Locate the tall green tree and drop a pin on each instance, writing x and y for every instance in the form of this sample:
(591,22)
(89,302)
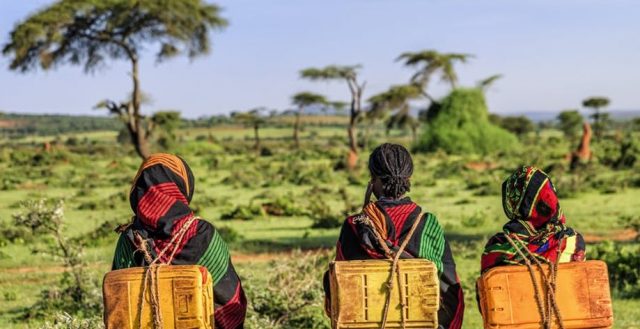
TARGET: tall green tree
(89,32)
(431,62)
(349,74)
(396,99)
(254,118)
(570,122)
(303,100)
(596,103)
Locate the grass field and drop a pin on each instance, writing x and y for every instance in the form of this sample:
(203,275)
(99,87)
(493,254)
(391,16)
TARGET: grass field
(467,203)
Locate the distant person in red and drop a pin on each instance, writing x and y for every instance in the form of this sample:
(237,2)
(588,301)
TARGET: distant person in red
(536,222)
(392,216)
(160,197)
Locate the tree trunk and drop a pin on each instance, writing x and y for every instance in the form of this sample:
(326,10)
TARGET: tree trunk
(138,132)
(596,124)
(256,128)
(414,134)
(356,96)
(296,128)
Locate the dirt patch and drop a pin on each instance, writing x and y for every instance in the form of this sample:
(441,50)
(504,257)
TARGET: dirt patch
(9,123)
(624,235)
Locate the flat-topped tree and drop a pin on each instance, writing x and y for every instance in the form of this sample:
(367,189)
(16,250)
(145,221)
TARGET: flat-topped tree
(350,75)
(254,118)
(303,100)
(396,99)
(88,32)
(599,118)
(431,62)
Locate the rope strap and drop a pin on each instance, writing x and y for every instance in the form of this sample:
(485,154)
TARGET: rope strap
(394,256)
(549,308)
(152,270)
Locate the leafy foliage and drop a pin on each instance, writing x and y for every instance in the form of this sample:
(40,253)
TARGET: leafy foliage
(519,125)
(623,262)
(600,120)
(89,31)
(76,293)
(460,125)
(430,62)
(570,122)
(292,297)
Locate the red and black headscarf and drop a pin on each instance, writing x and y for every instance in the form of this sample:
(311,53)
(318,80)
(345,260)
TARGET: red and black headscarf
(530,201)
(160,196)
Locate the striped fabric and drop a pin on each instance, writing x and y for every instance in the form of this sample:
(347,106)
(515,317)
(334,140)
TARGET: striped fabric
(432,241)
(160,197)
(531,204)
(357,242)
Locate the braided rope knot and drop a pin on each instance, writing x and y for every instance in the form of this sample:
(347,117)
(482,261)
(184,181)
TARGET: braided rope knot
(152,270)
(551,309)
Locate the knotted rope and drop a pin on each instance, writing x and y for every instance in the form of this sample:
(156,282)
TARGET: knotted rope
(394,256)
(551,308)
(152,270)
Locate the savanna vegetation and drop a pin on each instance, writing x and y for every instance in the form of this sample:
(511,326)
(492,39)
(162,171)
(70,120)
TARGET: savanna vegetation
(279,184)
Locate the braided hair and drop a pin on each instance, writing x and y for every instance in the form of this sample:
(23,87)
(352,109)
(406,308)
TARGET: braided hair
(392,163)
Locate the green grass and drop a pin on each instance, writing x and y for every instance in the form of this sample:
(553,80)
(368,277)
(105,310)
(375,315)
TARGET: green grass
(24,274)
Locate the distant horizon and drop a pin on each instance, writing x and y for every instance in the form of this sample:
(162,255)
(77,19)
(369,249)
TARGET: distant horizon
(552,55)
(535,116)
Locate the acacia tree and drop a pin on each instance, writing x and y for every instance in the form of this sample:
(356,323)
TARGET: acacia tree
(254,118)
(88,32)
(302,100)
(430,62)
(350,75)
(396,99)
(595,103)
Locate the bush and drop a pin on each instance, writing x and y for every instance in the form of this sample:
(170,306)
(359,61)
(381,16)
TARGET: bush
(66,321)
(459,124)
(244,212)
(623,262)
(76,293)
(228,234)
(293,295)
(282,206)
(475,220)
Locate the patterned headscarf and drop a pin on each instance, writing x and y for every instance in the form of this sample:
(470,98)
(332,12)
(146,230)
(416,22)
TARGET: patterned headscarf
(535,217)
(528,195)
(160,197)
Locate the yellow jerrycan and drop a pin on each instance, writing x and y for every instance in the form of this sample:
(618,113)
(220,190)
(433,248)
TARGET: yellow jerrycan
(359,294)
(507,296)
(184,298)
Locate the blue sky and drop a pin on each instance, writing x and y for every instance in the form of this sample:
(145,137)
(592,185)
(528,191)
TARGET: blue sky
(552,55)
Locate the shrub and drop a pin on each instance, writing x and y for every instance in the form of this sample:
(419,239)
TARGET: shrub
(475,220)
(293,295)
(623,262)
(322,215)
(76,293)
(244,212)
(228,234)
(66,321)
(282,206)
(459,124)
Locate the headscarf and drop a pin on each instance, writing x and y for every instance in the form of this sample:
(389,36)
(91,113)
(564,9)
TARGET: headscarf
(160,196)
(530,201)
